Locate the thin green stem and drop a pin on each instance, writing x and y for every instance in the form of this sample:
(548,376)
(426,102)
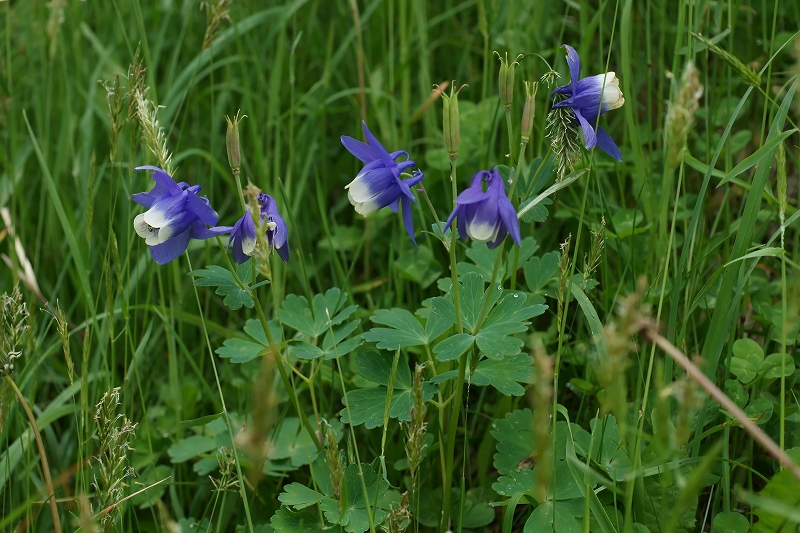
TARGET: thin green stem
(48,481)
(242,489)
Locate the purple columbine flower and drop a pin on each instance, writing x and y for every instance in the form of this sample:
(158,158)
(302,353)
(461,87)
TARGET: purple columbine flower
(174,215)
(588,99)
(379,184)
(243,236)
(485,214)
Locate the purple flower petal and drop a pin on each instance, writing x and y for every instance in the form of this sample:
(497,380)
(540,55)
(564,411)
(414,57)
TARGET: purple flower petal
(589,137)
(408,220)
(201,209)
(167,251)
(200,232)
(361,150)
(574,63)
(380,151)
(606,144)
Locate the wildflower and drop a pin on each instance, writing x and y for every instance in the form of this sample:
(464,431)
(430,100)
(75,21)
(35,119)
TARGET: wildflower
(589,98)
(175,214)
(485,215)
(378,184)
(244,236)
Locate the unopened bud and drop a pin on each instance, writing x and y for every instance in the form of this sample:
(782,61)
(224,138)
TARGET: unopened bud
(451,123)
(232,142)
(529,111)
(506,80)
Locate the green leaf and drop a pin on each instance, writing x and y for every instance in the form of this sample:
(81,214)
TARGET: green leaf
(404,330)
(730,522)
(510,316)
(419,266)
(190,447)
(759,410)
(609,449)
(223,280)
(776,365)
(540,270)
(453,347)
(291,441)
(515,442)
(660,501)
(472,299)
(537,212)
(736,392)
(152,478)
(333,345)
(776,504)
(202,421)
(559,516)
(746,360)
(241,351)
(767,149)
(367,406)
(299,496)
(627,221)
(313,320)
(353,514)
(287,521)
(505,375)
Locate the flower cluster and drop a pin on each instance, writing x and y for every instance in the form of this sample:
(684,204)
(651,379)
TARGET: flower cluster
(176,214)
(244,235)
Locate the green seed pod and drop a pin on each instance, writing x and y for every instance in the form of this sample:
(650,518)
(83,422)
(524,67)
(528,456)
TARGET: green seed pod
(529,111)
(506,80)
(451,123)
(232,142)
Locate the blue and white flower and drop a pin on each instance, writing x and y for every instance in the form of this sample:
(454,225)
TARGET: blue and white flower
(175,214)
(589,98)
(378,184)
(244,237)
(484,211)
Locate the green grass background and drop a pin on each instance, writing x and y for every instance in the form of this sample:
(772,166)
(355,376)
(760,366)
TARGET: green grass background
(294,68)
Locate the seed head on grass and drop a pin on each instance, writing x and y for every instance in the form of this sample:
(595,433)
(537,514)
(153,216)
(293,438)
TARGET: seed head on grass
(747,74)
(115,433)
(680,114)
(15,324)
(216,12)
(417,426)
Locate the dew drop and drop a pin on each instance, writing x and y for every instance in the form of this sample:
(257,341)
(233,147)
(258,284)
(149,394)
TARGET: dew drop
(516,295)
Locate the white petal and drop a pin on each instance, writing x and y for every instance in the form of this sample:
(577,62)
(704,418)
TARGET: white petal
(612,95)
(359,190)
(363,208)
(248,245)
(143,229)
(483,232)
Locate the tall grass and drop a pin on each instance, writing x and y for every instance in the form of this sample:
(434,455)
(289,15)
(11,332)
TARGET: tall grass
(718,263)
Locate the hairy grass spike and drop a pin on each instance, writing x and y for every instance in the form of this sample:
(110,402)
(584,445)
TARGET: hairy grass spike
(747,74)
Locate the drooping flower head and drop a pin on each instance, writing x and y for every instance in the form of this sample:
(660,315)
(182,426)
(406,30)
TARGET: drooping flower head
(244,236)
(484,211)
(378,184)
(175,214)
(588,98)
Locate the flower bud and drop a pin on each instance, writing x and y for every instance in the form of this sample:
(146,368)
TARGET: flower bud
(506,80)
(451,123)
(529,111)
(232,142)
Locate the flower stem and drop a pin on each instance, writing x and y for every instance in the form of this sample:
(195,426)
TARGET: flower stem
(48,481)
(455,407)
(242,489)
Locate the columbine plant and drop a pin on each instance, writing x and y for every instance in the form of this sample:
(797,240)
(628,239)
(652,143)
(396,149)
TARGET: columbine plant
(378,184)
(484,211)
(245,235)
(175,214)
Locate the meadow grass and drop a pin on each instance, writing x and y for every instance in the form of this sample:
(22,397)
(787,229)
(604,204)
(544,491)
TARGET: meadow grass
(161,408)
